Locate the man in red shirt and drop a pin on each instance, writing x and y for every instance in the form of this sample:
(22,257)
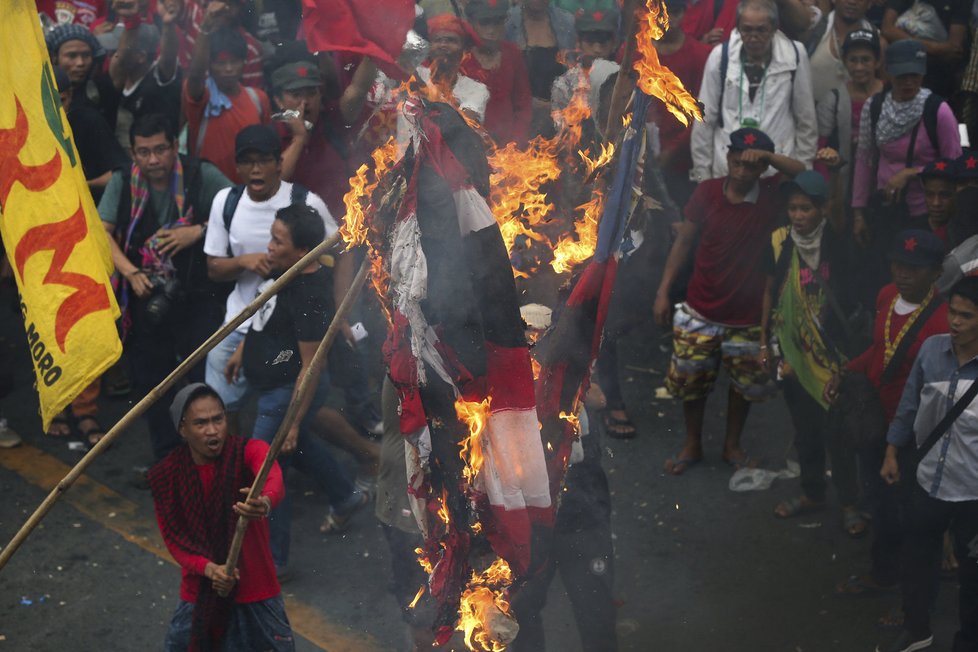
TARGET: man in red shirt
(720,321)
(196,492)
(215,102)
(195,22)
(500,66)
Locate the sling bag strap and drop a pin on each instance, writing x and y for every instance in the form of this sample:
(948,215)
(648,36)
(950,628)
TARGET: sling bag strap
(908,339)
(941,428)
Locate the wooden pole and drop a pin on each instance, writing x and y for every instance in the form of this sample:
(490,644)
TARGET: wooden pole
(306,382)
(625,83)
(154,395)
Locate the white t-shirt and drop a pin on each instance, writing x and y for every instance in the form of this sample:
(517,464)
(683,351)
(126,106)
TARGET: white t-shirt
(251,230)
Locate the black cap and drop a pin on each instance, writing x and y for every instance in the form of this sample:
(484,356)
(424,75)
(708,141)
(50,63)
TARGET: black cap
(966,165)
(599,19)
(750,138)
(942,168)
(918,248)
(862,38)
(476,10)
(906,57)
(257,138)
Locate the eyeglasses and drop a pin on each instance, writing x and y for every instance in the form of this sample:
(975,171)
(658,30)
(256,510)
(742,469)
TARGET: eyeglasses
(755,32)
(145,152)
(252,162)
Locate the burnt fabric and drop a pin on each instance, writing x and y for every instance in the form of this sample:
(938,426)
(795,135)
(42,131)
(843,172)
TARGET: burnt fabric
(457,333)
(201,525)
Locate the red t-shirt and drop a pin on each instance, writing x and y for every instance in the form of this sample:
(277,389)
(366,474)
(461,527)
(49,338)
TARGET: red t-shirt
(687,63)
(728,280)
(218,142)
(871,361)
(258,581)
(510,106)
(699,20)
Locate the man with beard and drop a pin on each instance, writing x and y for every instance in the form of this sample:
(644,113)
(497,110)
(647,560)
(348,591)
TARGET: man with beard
(196,491)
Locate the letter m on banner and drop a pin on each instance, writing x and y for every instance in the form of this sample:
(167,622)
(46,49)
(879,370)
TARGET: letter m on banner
(51,232)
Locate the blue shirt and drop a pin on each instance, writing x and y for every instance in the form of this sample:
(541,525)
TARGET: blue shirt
(949,471)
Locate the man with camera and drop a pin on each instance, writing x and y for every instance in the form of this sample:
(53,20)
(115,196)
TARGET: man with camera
(156,216)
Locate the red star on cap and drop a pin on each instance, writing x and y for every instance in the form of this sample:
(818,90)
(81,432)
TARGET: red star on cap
(940,165)
(971,163)
(580,12)
(749,139)
(910,244)
(302,71)
(597,16)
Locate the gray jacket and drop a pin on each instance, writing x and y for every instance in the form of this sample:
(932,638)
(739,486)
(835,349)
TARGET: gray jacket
(834,114)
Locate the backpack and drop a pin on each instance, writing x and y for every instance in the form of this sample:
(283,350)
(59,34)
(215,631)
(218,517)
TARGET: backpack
(298,196)
(725,60)
(931,106)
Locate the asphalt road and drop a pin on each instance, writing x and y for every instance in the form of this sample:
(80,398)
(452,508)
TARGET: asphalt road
(699,567)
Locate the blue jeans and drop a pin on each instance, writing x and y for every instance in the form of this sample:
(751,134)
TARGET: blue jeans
(254,626)
(234,394)
(311,456)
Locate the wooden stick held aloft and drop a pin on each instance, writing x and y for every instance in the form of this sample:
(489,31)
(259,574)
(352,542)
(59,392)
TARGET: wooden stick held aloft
(306,382)
(154,395)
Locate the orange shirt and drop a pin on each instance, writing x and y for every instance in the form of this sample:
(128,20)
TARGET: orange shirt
(217,145)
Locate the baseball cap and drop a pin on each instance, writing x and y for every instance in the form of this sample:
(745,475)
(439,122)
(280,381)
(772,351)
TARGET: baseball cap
(918,248)
(296,75)
(257,138)
(861,38)
(604,19)
(942,168)
(966,165)
(907,57)
(477,10)
(185,395)
(810,183)
(750,138)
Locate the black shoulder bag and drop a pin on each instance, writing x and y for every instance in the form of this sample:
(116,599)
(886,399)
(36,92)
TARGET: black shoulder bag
(941,428)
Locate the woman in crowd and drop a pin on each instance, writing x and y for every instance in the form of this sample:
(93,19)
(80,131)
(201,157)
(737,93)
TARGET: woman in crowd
(804,312)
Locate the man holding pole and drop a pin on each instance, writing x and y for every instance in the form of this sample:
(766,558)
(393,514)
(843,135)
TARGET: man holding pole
(195,492)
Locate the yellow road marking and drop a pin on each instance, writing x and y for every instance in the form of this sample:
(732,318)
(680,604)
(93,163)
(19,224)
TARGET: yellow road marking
(114,512)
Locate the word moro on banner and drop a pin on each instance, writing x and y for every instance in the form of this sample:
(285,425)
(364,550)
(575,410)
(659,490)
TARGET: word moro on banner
(44,364)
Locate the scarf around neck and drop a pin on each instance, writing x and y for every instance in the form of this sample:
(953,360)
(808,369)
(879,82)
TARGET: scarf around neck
(809,246)
(896,119)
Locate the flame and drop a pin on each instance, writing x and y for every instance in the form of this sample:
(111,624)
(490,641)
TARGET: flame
(655,79)
(603,158)
(474,415)
(536,368)
(571,251)
(484,602)
(426,565)
(572,419)
(417,597)
(443,512)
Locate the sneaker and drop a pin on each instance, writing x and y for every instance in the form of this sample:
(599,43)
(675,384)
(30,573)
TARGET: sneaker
(904,641)
(8,438)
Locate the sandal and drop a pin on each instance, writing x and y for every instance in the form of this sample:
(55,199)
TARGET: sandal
(618,428)
(678,465)
(337,523)
(853,523)
(91,435)
(798,506)
(863,585)
(60,426)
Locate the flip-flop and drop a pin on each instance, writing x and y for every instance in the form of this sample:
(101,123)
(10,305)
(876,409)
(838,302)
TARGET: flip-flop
(797,507)
(678,465)
(619,428)
(862,585)
(63,427)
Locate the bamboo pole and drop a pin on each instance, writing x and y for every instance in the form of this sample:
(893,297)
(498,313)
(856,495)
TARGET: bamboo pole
(625,83)
(306,383)
(154,395)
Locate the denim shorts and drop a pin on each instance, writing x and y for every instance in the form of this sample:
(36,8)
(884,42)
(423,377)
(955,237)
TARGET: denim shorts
(254,626)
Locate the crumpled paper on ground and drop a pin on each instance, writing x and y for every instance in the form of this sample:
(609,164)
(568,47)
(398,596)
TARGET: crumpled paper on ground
(760,479)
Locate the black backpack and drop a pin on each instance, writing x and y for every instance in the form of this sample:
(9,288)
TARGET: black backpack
(931,106)
(298,196)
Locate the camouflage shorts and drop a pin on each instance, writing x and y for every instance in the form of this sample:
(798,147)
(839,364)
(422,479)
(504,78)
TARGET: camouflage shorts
(701,346)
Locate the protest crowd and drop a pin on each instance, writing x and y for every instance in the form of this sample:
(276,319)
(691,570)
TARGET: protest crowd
(815,235)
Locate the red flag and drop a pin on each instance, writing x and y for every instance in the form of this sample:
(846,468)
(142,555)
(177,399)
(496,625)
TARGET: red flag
(373,28)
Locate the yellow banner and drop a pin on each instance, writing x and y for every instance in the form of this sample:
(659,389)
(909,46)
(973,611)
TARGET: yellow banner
(51,231)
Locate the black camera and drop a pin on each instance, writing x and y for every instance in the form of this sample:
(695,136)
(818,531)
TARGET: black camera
(166,292)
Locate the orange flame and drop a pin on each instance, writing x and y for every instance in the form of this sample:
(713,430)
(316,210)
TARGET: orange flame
(572,419)
(484,606)
(417,597)
(474,415)
(604,157)
(571,251)
(443,512)
(654,78)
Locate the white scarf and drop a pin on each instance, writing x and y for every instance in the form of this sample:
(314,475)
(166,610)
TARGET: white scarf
(809,246)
